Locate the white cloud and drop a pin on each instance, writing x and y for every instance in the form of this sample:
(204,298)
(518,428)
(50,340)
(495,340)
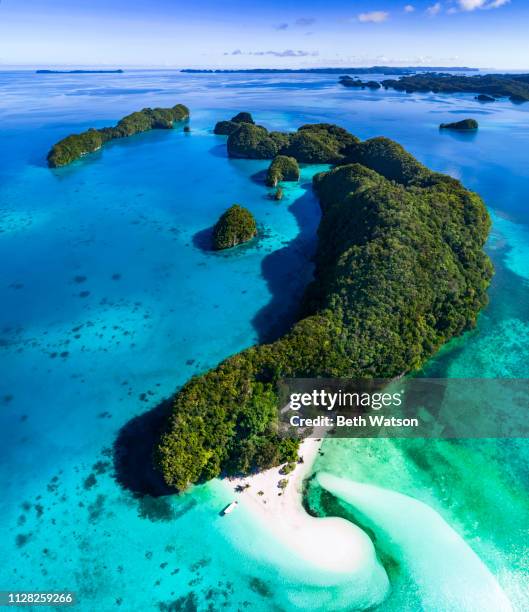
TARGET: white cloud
(285,53)
(409,8)
(472,5)
(373,17)
(435,9)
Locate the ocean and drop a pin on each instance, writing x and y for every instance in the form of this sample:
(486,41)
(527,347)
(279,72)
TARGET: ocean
(110,301)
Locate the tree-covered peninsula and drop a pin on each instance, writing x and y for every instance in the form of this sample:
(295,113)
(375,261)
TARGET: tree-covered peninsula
(75,146)
(235,226)
(464,125)
(513,86)
(399,270)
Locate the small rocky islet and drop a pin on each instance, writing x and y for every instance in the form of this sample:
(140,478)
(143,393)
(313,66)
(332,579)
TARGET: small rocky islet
(235,226)
(225,128)
(465,125)
(282,168)
(348,81)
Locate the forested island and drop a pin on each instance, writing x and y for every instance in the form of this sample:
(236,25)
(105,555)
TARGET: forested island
(75,146)
(319,143)
(513,86)
(235,226)
(118,71)
(348,81)
(282,168)
(331,70)
(465,125)
(399,270)
(225,128)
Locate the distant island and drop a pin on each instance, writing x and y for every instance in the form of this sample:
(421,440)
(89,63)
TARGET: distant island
(513,86)
(399,270)
(118,71)
(355,70)
(348,81)
(464,125)
(75,146)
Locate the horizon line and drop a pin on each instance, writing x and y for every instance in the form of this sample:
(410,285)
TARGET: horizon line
(30,66)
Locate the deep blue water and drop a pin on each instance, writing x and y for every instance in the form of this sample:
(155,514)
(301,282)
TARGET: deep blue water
(109,303)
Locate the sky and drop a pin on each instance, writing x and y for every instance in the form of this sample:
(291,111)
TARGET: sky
(269,33)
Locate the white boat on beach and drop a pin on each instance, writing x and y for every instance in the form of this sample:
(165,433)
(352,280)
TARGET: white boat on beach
(229,508)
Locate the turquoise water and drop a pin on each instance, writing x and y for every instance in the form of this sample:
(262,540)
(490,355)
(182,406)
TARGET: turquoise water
(109,302)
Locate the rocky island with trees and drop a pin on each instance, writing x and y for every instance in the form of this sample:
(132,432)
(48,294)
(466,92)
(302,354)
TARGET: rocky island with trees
(282,168)
(465,125)
(225,128)
(76,146)
(235,226)
(399,271)
(348,81)
(319,143)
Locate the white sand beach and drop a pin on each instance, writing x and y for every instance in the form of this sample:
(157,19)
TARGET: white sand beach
(331,543)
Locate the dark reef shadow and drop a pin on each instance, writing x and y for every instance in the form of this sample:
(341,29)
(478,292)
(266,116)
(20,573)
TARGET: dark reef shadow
(219,150)
(203,240)
(133,453)
(288,271)
(259,177)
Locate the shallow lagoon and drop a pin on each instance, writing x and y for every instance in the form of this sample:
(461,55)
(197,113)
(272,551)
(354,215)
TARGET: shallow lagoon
(109,303)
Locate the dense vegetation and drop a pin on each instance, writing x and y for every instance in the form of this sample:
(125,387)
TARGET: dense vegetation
(235,226)
(225,128)
(255,142)
(463,125)
(513,86)
(319,143)
(347,81)
(243,117)
(282,168)
(400,269)
(75,146)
